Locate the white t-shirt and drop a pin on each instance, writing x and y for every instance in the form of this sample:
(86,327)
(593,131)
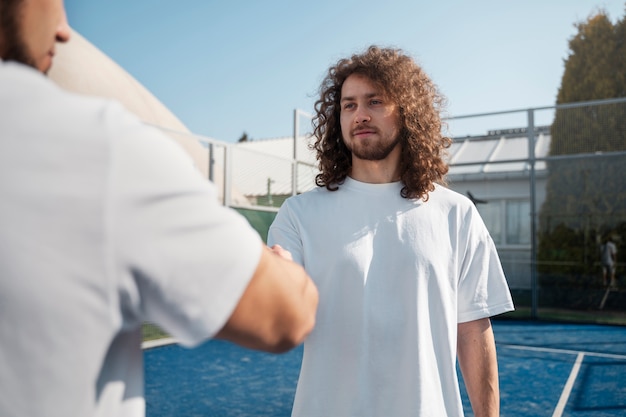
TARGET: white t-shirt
(105,224)
(608,252)
(395,277)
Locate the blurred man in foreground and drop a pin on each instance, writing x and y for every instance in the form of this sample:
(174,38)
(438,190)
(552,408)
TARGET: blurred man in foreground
(106,224)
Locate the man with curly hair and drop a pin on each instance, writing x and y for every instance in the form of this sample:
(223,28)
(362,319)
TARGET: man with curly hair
(407,272)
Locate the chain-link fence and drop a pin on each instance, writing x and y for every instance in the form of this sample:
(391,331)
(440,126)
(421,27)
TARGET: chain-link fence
(548,182)
(552,193)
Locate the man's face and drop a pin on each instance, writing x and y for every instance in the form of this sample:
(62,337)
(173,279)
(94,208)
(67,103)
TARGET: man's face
(370,122)
(35,27)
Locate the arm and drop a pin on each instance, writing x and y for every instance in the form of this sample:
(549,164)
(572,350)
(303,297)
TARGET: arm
(476,352)
(277,309)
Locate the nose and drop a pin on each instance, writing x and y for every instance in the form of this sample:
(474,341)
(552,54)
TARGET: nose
(362,117)
(63,30)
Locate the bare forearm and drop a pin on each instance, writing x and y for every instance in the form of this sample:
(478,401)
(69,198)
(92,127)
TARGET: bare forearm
(477,360)
(277,310)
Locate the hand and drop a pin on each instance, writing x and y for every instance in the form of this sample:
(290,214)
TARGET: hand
(283,253)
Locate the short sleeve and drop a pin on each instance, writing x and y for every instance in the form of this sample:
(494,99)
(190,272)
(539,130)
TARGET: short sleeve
(284,232)
(483,290)
(182,260)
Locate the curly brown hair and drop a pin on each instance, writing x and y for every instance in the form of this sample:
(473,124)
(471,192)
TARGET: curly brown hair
(405,83)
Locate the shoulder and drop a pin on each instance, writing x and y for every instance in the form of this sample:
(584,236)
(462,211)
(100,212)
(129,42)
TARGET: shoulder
(307,198)
(446,197)
(23,83)
(310,206)
(459,211)
(39,108)
(31,92)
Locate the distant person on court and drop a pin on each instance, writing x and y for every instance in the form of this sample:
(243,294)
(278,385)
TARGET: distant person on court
(407,272)
(608,254)
(106,224)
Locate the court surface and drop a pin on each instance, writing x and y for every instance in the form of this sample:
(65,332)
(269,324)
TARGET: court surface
(546,369)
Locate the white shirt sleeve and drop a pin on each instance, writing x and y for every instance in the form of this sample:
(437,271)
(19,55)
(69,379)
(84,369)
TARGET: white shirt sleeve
(483,290)
(283,231)
(182,260)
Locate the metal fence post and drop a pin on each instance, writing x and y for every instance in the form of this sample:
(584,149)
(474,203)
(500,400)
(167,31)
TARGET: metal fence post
(294,163)
(533,213)
(211,163)
(227,174)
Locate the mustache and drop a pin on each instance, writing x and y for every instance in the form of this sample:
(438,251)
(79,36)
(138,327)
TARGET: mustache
(360,129)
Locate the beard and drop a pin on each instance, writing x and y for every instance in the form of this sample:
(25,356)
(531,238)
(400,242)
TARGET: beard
(14,47)
(18,52)
(373,150)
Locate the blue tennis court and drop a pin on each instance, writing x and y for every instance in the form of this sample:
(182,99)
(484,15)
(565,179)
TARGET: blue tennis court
(546,369)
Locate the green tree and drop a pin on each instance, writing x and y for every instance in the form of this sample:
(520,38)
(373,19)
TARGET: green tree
(586,196)
(594,61)
(595,69)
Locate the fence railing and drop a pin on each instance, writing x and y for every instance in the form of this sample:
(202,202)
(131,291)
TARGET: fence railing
(548,182)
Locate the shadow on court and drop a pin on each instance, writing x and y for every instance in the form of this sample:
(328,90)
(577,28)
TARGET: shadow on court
(546,369)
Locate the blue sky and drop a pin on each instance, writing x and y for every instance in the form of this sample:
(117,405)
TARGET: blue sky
(233,66)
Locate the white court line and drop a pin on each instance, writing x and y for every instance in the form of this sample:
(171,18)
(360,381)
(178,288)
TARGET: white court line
(149,344)
(566,351)
(567,390)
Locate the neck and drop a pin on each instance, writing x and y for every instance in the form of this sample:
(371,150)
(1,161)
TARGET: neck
(374,172)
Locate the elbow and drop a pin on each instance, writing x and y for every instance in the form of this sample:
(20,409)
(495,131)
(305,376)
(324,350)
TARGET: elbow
(292,339)
(294,331)
(273,336)
(298,329)
(296,338)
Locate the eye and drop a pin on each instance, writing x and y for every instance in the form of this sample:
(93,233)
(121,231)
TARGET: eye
(376,101)
(348,106)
